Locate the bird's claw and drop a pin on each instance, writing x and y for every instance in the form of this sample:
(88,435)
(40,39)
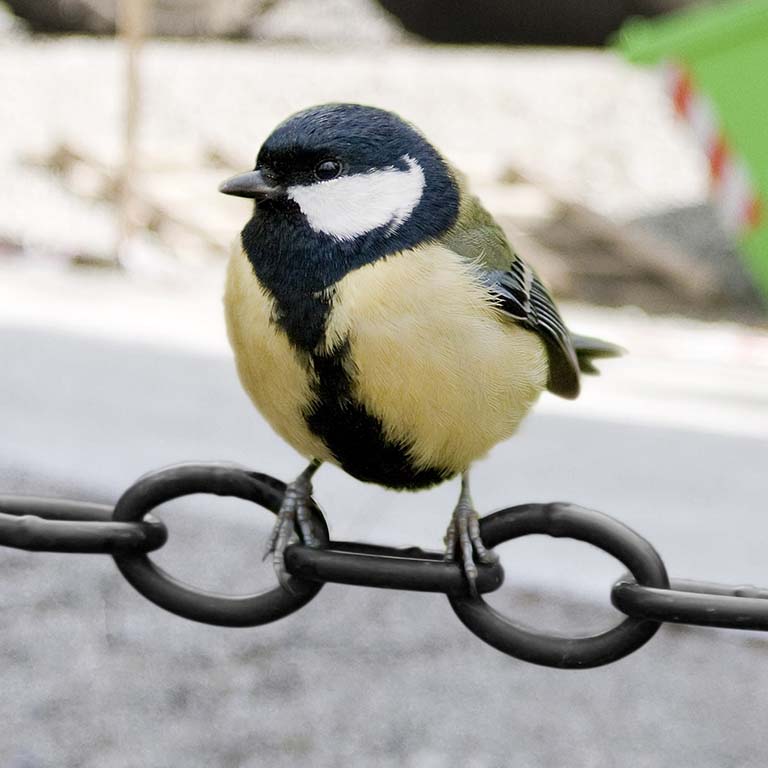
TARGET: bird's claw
(295,508)
(463,539)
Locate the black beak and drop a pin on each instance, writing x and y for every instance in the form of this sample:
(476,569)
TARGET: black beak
(250,184)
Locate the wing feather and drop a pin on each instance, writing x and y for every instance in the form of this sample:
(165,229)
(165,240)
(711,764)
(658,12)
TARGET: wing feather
(522,297)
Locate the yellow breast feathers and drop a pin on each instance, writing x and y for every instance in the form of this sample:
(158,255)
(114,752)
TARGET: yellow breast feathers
(433,358)
(430,357)
(276,378)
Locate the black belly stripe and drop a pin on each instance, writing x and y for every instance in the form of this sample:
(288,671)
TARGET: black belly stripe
(356,437)
(353,435)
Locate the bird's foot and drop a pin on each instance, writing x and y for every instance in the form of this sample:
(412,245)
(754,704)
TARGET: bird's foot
(296,508)
(463,542)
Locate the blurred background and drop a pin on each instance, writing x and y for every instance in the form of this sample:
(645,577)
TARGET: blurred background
(618,155)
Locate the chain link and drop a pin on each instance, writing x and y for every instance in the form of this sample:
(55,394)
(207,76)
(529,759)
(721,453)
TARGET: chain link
(129,532)
(55,525)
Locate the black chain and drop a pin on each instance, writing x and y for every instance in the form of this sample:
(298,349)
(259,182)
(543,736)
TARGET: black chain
(128,532)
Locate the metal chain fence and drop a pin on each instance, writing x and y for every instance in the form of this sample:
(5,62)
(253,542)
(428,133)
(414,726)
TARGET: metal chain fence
(128,532)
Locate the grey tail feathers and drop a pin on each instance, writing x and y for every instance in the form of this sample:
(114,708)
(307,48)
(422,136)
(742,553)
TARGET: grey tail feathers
(588,349)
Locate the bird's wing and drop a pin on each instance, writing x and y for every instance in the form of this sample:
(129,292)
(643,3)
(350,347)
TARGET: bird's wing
(521,295)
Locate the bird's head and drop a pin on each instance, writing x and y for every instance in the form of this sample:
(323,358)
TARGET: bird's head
(352,174)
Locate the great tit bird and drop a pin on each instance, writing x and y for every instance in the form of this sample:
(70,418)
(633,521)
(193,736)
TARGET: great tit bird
(379,318)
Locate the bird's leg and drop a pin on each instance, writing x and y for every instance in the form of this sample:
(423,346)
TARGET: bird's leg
(463,537)
(295,508)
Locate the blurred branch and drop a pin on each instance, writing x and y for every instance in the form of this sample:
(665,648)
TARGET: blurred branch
(132,20)
(88,178)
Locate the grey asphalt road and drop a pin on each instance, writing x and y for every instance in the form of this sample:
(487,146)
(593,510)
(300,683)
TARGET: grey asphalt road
(95,676)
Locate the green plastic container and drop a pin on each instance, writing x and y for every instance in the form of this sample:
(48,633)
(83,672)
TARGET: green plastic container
(724,48)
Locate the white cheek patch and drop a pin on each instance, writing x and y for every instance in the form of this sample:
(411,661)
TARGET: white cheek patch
(350,206)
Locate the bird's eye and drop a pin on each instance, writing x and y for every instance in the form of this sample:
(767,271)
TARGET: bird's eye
(327,170)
